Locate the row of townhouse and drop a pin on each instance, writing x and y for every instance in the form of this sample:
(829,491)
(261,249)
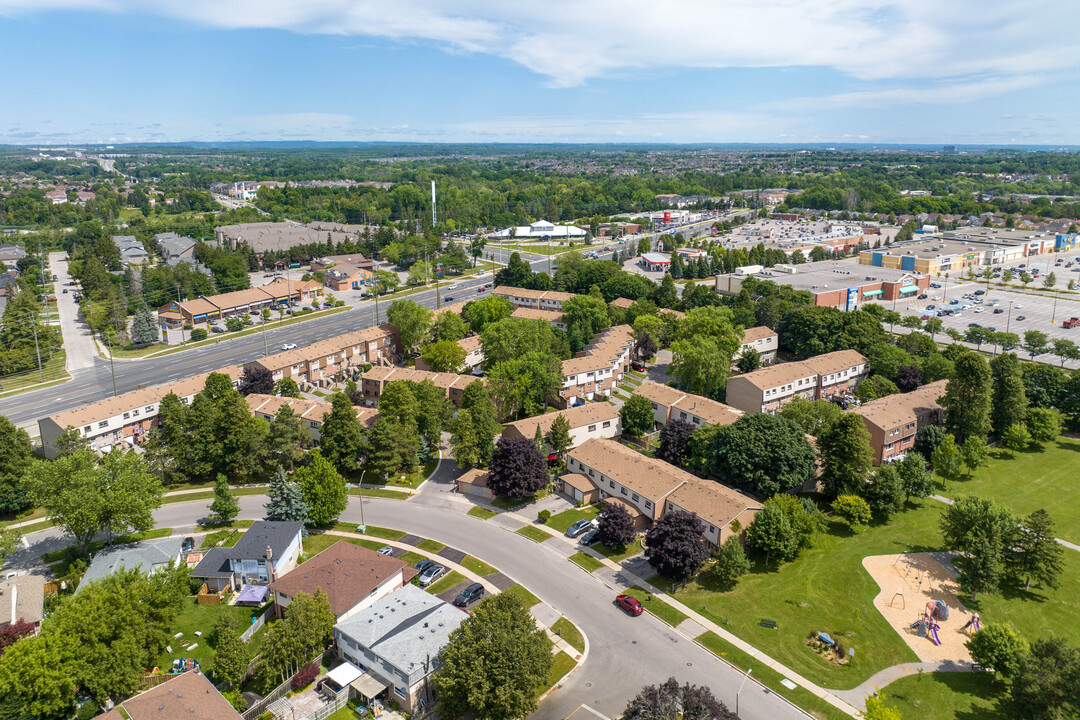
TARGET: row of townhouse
(203,310)
(320,362)
(597,369)
(535,299)
(595,420)
(552,317)
(832,375)
(611,472)
(374,381)
(310,412)
(123,418)
(761,339)
(670,403)
(894,420)
(627,303)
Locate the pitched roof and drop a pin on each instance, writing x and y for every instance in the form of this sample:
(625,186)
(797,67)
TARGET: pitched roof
(271,404)
(644,475)
(528,313)
(775,375)
(586,363)
(833,362)
(711,411)
(188,696)
(238,298)
(476,477)
(346,574)
(22,598)
(145,554)
(659,394)
(757,333)
(892,410)
(273,534)
(580,416)
(712,502)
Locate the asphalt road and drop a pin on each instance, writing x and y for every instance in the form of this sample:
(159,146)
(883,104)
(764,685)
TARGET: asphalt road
(625,653)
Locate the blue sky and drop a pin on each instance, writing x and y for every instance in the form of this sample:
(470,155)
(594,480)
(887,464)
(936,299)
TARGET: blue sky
(888,71)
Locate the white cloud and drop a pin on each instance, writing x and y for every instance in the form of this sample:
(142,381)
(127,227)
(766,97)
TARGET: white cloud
(573,41)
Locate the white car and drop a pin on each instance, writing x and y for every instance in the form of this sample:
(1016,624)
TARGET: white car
(1019,306)
(979,309)
(288,346)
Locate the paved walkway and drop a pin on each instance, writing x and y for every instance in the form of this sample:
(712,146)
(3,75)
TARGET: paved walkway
(857,696)
(1064,543)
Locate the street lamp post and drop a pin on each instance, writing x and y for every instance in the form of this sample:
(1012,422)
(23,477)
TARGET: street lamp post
(739,691)
(362,527)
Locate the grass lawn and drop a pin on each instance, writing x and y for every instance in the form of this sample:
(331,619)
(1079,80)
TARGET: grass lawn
(431,546)
(381,493)
(586,561)
(566,518)
(54,371)
(947,696)
(209,495)
(522,593)
(203,618)
(511,504)
(35,527)
(619,555)
(446,582)
(569,632)
(385,533)
(534,533)
(482,512)
(26,516)
(222,538)
(410,557)
(477,566)
(771,678)
(562,665)
(1027,481)
(314,544)
(657,607)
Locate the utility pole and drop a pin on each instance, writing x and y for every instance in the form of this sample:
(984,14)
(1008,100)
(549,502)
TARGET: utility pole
(362,527)
(37,349)
(112,367)
(262,314)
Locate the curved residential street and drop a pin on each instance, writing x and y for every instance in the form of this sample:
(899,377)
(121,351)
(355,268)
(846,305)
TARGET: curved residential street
(625,653)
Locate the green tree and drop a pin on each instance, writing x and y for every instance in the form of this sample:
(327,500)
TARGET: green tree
(310,620)
(1065,349)
(523,385)
(413,322)
(491,309)
(559,436)
(771,534)
(637,416)
(287,439)
(477,401)
(1038,554)
(983,570)
(914,478)
(144,330)
(16,455)
(514,338)
(493,663)
(874,387)
(37,678)
(1045,687)
(586,316)
(975,453)
(853,509)
(342,435)
(884,493)
(389,447)
(225,507)
(666,295)
(1050,280)
(464,445)
(444,356)
(324,489)
(765,453)
(1009,399)
(700,365)
(997,645)
(749,361)
(876,709)
(286,500)
(731,562)
(287,387)
(846,456)
(230,654)
(1043,424)
(813,416)
(398,403)
(967,398)
(947,459)
(1016,437)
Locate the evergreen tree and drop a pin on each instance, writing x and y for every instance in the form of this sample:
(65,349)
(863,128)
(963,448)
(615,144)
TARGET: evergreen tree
(286,500)
(1009,400)
(324,490)
(477,401)
(287,439)
(16,455)
(230,654)
(342,435)
(559,438)
(225,507)
(982,571)
(846,455)
(386,447)
(463,443)
(538,440)
(947,459)
(1039,555)
(143,329)
(731,562)
(975,453)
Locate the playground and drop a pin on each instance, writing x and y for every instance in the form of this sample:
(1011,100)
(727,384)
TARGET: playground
(918,599)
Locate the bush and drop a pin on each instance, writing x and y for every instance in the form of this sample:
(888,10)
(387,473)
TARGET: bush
(305,676)
(198,334)
(543,516)
(234,324)
(853,509)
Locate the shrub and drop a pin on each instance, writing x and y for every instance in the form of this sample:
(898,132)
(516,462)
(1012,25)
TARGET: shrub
(543,516)
(198,334)
(305,676)
(853,509)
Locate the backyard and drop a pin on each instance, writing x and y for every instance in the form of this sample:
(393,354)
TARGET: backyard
(1030,480)
(202,618)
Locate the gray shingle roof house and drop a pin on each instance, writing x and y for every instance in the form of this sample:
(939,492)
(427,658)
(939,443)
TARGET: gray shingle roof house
(175,246)
(22,598)
(150,555)
(247,560)
(398,640)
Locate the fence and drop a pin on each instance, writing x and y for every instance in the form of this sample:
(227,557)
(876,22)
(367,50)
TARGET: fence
(258,623)
(340,700)
(147,682)
(259,708)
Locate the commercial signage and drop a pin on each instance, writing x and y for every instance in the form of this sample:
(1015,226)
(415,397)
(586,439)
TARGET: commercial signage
(852,299)
(667,216)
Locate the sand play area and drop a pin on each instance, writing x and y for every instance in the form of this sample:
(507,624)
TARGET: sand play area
(908,582)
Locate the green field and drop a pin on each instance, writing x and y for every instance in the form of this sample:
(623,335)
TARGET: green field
(482,512)
(446,582)
(202,618)
(586,561)
(566,518)
(477,566)
(522,593)
(534,533)
(569,632)
(315,544)
(657,607)
(947,696)
(1030,480)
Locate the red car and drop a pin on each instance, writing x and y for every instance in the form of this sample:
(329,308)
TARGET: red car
(630,604)
(638,365)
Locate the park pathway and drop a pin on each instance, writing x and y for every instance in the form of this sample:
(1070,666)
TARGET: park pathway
(1063,543)
(857,696)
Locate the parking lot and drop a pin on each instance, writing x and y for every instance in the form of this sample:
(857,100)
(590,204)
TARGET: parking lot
(1020,310)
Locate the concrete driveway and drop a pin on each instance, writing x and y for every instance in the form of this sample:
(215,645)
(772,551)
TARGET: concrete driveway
(78,340)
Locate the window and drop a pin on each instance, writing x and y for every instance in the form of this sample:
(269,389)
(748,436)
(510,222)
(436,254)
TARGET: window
(399,692)
(592,428)
(103,423)
(607,423)
(127,415)
(86,429)
(314,423)
(636,498)
(648,504)
(611,483)
(135,413)
(591,474)
(623,490)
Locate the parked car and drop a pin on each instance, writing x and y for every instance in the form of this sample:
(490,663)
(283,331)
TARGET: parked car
(64,291)
(974,325)
(980,292)
(448,299)
(423,564)
(590,538)
(188,545)
(1021,317)
(580,527)
(469,595)
(1019,306)
(386,550)
(979,309)
(637,365)
(431,574)
(630,604)
(998,311)
(923,296)
(935,285)
(217,329)
(288,346)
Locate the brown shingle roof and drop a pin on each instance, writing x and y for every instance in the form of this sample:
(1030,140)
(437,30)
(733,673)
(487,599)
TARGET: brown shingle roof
(580,416)
(776,375)
(189,696)
(644,475)
(579,482)
(476,477)
(892,410)
(711,411)
(712,502)
(833,362)
(549,316)
(757,333)
(346,574)
(588,363)
(659,394)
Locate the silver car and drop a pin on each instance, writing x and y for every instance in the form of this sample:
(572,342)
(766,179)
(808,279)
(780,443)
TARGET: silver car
(431,574)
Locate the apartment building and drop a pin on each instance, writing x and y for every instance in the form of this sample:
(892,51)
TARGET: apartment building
(552,317)
(673,404)
(586,379)
(616,343)
(648,488)
(374,380)
(536,299)
(823,377)
(595,420)
(762,339)
(123,419)
(894,420)
(311,412)
(319,362)
(203,310)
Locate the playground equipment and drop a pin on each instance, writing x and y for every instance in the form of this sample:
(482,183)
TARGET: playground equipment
(974,622)
(909,565)
(927,625)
